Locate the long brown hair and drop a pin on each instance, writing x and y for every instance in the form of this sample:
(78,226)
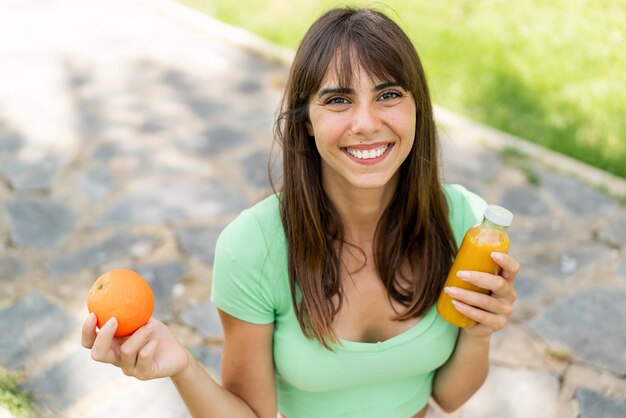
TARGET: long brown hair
(414,228)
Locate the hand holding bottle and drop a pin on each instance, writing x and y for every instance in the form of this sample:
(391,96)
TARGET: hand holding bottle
(479,292)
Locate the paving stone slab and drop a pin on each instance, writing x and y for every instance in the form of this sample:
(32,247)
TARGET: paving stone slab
(39,223)
(160,167)
(121,244)
(12,267)
(536,232)
(204,318)
(248,86)
(565,263)
(578,199)
(90,122)
(110,150)
(78,78)
(589,324)
(525,200)
(10,143)
(35,175)
(254,167)
(524,234)
(597,405)
(528,286)
(96,183)
(162,278)
(614,233)
(155,125)
(213,141)
(69,379)
(92,127)
(203,107)
(31,327)
(178,80)
(514,393)
(171,200)
(199,241)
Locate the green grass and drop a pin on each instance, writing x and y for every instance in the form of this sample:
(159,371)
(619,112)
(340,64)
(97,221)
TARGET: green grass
(13,397)
(552,72)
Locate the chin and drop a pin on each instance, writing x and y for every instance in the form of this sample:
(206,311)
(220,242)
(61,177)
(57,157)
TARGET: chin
(371,183)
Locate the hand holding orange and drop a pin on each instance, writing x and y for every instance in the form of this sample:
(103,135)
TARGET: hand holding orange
(122,294)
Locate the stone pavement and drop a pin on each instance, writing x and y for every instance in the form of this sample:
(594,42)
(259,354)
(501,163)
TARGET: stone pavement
(132,132)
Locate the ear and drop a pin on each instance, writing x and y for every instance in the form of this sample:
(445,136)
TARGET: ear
(309,128)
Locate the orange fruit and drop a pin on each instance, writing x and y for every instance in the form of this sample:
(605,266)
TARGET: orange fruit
(125,295)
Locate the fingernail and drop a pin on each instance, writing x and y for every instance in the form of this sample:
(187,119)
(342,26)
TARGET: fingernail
(463,274)
(91,318)
(150,324)
(110,323)
(496,256)
(451,290)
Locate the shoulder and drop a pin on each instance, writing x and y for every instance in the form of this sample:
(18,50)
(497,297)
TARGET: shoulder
(465,209)
(249,256)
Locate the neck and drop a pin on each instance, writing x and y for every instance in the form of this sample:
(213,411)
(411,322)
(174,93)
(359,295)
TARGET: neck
(360,210)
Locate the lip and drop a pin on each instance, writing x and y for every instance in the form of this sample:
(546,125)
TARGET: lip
(367,147)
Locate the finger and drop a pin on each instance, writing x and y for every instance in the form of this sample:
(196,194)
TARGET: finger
(89,331)
(487,303)
(146,366)
(492,321)
(499,286)
(101,350)
(510,266)
(130,348)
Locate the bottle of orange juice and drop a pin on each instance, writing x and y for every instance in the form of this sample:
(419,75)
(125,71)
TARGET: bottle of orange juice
(475,254)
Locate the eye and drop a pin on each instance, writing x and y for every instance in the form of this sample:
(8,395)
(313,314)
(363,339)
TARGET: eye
(391,94)
(337,100)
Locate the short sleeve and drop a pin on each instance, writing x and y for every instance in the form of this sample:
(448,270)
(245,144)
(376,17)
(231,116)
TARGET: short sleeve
(466,209)
(239,283)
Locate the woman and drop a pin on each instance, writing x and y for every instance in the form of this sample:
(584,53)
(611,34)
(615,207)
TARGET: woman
(327,290)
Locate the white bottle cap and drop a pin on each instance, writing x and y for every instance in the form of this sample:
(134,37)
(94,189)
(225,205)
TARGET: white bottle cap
(498,215)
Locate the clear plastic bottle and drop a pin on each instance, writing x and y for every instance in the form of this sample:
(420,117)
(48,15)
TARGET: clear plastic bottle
(475,254)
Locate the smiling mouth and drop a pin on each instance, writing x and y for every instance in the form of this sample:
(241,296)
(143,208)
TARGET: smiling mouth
(367,154)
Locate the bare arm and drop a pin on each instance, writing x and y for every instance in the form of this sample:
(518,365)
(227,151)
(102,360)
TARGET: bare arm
(463,374)
(466,370)
(205,398)
(248,388)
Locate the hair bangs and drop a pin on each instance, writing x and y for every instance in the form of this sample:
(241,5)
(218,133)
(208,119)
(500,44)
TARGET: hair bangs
(367,52)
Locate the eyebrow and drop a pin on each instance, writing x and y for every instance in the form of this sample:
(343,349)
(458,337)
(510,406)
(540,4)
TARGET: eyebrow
(349,90)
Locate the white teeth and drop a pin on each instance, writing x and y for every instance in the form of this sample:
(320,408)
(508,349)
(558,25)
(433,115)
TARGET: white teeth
(367,154)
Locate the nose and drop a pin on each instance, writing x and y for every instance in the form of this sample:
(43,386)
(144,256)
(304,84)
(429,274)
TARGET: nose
(365,119)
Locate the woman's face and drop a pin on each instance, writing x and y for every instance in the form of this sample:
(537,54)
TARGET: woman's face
(363,132)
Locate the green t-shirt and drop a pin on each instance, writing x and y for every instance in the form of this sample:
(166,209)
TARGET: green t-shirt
(391,378)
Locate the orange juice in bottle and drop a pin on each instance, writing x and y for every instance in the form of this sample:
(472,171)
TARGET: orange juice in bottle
(475,255)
